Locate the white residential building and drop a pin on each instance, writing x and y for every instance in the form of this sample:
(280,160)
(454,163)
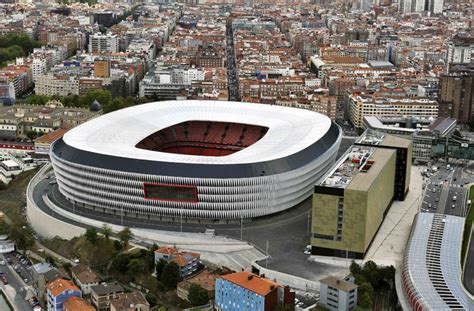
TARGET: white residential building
(57,85)
(337,294)
(103,43)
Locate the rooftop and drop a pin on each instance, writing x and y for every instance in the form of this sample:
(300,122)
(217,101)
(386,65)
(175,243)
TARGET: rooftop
(106,288)
(118,133)
(58,286)
(77,304)
(252,282)
(339,284)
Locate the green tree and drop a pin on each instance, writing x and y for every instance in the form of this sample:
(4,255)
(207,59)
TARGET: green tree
(159,268)
(50,260)
(136,266)
(285,307)
(106,231)
(31,135)
(22,237)
(117,245)
(150,256)
(67,266)
(366,295)
(91,235)
(170,275)
(152,300)
(197,295)
(125,236)
(120,262)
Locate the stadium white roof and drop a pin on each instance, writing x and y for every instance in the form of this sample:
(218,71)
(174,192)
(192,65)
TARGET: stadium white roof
(289,130)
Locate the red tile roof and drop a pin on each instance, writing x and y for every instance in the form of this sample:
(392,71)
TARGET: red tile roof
(77,304)
(60,285)
(252,282)
(51,137)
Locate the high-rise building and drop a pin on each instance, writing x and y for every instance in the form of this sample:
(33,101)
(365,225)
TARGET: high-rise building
(460,49)
(418,6)
(456,94)
(103,43)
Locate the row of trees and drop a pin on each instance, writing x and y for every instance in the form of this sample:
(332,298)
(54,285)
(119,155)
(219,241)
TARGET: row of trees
(104,97)
(16,45)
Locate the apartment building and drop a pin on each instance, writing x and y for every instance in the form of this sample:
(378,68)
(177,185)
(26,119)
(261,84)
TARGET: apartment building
(187,261)
(361,105)
(103,43)
(62,85)
(337,294)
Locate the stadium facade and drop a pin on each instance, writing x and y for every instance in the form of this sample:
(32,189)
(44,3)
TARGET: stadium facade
(195,159)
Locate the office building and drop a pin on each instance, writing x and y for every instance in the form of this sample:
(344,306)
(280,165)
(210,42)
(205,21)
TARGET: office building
(337,294)
(351,201)
(404,151)
(247,291)
(362,105)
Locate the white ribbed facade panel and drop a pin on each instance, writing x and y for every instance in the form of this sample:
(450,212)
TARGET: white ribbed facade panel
(97,163)
(217,198)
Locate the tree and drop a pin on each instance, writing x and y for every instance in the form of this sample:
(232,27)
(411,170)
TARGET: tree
(159,268)
(285,307)
(91,235)
(170,275)
(136,266)
(120,263)
(106,231)
(150,256)
(197,295)
(51,261)
(117,245)
(21,236)
(125,235)
(366,296)
(67,266)
(31,135)
(152,300)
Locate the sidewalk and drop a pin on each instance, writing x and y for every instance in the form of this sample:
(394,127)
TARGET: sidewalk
(389,244)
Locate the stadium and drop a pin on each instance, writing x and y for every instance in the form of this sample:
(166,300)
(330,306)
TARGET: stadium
(209,160)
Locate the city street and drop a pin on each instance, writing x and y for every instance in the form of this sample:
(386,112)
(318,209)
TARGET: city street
(445,192)
(15,284)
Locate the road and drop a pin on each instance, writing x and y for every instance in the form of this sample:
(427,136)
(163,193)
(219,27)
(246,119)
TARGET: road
(15,283)
(231,69)
(286,232)
(445,192)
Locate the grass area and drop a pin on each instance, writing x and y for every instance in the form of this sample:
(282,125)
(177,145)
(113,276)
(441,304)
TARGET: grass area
(13,197)
(467,225)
